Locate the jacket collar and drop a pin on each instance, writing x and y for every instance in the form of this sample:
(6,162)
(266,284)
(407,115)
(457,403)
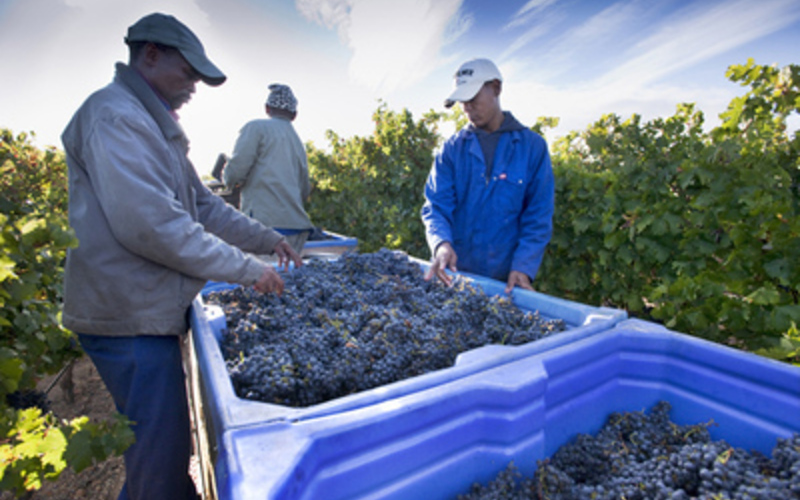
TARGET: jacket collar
(131,79)
(509,124)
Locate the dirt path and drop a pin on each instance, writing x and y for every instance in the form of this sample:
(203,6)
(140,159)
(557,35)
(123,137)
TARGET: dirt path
(99,482)
(102,481)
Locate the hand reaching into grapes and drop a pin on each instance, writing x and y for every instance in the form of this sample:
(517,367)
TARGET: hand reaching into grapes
(286,253)
(270,281)
(445,258)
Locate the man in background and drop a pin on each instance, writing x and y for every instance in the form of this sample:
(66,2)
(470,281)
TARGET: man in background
(269,164)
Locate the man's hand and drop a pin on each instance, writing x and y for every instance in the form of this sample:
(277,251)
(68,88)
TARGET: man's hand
(445,258)
(516,278)
(286,253)
(270,281)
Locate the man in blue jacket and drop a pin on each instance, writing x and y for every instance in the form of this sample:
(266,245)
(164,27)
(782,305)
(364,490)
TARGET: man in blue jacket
(489,198)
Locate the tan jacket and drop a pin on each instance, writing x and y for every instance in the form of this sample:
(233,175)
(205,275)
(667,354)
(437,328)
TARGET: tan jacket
(269,163)
(150,233)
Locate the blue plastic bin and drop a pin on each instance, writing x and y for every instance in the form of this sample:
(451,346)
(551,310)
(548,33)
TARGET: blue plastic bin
(227,411)
(218,410)
(336,244)
(433,443)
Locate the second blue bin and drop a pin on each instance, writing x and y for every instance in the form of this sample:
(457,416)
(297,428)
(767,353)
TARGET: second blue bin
(435,442)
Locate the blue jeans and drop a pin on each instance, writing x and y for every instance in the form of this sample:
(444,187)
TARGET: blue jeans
(144,375)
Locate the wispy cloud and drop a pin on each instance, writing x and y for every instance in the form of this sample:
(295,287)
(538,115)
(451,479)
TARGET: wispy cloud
(528,11)
(622,59)
(394,44)
(459,25)
(41,40)
(590,45)
(699,33)
(536,20)
(551,30)
(539,29)
(328,13)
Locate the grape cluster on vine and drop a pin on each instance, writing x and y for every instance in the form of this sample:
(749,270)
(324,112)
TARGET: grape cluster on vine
(638,456)
(29,398)
(357,322)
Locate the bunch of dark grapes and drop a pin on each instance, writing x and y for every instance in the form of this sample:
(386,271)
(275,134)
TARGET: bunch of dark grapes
(638,456)
(358,322)
(29,398)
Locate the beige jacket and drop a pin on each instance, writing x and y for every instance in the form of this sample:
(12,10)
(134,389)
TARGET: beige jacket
(150,233)
(269,163)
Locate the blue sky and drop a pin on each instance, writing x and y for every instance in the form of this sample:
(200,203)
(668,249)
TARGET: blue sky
(572,59)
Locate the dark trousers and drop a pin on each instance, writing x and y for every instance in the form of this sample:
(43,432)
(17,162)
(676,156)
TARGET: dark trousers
(144,375)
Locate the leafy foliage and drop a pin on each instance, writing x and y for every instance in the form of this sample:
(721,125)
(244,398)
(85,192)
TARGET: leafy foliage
(371,187)
(698,230)
(34,237)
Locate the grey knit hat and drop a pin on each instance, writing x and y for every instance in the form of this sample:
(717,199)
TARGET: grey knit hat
(281,97)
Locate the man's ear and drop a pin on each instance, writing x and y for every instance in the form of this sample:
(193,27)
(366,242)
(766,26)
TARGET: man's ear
(150,54)
(497,85)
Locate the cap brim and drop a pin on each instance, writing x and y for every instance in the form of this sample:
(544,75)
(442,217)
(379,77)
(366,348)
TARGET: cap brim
(464,92)
(209,73)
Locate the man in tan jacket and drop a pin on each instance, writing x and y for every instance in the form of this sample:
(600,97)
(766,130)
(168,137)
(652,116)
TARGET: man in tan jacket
(151,235)
(269,163)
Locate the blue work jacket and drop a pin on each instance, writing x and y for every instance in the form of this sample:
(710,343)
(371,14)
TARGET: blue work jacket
(496,222)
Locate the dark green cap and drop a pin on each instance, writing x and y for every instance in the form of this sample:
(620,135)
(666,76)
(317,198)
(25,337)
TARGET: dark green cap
(166,30)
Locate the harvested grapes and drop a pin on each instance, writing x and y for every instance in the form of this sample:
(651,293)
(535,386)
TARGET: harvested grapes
(638,456)
(358,322)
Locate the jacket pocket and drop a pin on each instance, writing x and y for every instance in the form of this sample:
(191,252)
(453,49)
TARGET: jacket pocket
(508,194)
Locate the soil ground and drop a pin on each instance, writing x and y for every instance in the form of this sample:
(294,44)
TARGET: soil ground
(81,392)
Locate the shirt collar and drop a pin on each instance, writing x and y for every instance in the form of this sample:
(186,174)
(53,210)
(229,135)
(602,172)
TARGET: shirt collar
(163,101)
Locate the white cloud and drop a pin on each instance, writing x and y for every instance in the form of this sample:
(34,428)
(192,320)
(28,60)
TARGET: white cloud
(329,13)
(539,30)
(459,26)
(394,44)
(537,21)
(597,41)
(527,12)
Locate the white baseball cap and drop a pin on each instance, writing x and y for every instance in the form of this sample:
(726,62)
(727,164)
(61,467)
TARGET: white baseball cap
(469,79)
